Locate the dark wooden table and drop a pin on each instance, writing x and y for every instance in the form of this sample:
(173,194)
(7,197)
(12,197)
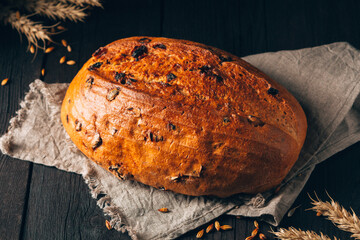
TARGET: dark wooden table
(38,202)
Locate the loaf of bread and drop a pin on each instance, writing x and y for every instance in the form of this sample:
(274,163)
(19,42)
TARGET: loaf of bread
(182,116)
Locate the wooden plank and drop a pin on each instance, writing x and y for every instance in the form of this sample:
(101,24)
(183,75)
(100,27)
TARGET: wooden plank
(307,24)
(331,176)
(203,21)
(60,206)
(333,21)
(300,24)
(288,26)
(17,65)
(14,176)
(237,27)
(250,26)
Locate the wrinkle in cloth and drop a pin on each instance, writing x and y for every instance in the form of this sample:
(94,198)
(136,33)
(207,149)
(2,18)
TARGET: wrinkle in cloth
(324,79)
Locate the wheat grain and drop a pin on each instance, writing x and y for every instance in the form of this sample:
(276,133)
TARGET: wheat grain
(200,234)
(108,225)
(163,210)
(297,234)
(36,32)
(33,31)
(32,49)
(262,236)
(61,28)
(64,42)
(49,49)
(4,82)
(337,214)
(217,225)
(209,228)
(254,232)
(225,227)
(291,211)
(62,59)
(56,10)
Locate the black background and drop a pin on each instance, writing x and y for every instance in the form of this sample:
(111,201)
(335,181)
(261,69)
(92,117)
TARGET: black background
(38,202)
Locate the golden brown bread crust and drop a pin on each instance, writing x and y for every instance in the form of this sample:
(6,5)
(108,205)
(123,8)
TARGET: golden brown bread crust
(182,116)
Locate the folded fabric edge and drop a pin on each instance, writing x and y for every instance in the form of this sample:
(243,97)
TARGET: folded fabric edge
(37,87)
(277,207)
(17,120)
(104,203)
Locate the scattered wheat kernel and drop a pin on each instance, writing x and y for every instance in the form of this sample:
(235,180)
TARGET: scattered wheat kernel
(225,227)
(43,72)
(49,50)
(70,62)
(60,27)
(318,214)
(217,225)
(249,238)
(200,234)
(164,210)
(254,232)
(256,224)
(3,82)
(62,60)
(262,236)
(17,15)
(209,228)
(32,49)
(108,225)
(64,43)
(291,211)
(68,48)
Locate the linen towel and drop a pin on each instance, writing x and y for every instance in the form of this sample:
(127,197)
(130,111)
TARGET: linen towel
(324,79)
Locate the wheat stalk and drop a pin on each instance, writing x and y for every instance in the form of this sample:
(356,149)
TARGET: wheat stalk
(94,3)
(33,31)
(297,234)
(337,214)
(56,10)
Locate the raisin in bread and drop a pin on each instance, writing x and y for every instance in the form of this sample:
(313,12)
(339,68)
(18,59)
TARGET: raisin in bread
(182,116)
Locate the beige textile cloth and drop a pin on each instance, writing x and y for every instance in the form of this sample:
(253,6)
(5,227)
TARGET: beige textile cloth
(324,79)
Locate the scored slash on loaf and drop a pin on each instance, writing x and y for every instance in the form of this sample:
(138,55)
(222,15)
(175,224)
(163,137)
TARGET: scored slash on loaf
(182,116)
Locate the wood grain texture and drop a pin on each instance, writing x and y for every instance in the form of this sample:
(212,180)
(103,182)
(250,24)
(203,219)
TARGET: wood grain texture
(15,64)
(60,205)
(45,203)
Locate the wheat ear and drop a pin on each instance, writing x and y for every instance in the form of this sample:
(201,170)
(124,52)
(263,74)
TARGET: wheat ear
(297,234)
(56,10)
(33,31)
(337,214)
(95,3)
